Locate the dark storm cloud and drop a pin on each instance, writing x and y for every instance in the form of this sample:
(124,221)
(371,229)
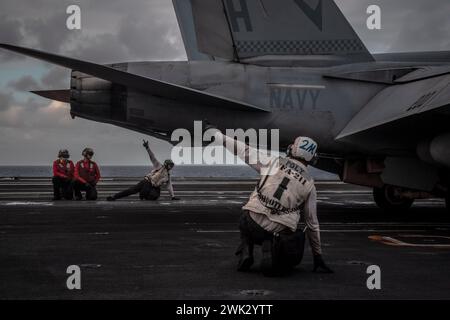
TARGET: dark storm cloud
(24,84)
(142,29)
(426,27)
(49,33)
(156,39)
(5,100)
(102,48)
(145,30)
(56,78)
(10,32)
(407,25)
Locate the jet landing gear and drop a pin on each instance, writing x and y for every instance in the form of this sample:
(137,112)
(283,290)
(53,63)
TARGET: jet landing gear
(390,199)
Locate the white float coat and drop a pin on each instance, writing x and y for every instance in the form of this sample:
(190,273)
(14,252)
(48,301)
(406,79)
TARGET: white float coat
(159,176)
(285,189)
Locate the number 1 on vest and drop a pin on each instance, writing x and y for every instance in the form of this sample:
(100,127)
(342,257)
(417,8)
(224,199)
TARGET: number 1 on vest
(281,188)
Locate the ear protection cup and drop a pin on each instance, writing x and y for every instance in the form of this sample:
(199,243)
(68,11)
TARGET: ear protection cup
(289,150)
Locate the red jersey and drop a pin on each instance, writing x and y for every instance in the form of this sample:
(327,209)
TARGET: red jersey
(63,168)
(86,171)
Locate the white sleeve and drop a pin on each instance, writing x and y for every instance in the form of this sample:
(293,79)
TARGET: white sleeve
(155,162)
(312,223)
(253,157)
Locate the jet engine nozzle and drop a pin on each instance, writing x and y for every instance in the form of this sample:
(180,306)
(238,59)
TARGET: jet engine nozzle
(94,98)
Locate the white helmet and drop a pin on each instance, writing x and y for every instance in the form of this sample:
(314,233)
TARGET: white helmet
(303,148)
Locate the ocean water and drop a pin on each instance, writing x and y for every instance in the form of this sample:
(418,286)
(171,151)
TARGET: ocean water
(194,171)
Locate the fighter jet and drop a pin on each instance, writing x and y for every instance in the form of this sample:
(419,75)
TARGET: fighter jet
(381,121)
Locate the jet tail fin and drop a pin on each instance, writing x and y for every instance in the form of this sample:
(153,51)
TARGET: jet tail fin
(183,11)
(252,28)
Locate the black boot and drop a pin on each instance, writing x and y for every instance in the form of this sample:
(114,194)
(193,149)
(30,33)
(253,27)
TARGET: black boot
(245,256)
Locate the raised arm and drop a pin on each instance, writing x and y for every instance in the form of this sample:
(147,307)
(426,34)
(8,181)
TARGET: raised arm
(153,159)
(253,157)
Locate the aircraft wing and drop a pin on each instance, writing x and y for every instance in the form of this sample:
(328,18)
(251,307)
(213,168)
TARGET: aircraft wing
(413,109)
(154,87)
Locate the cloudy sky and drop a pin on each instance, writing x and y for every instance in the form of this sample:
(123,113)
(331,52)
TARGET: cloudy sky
(32,129)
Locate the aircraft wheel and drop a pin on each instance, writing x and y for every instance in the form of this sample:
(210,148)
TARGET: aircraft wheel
(386,199)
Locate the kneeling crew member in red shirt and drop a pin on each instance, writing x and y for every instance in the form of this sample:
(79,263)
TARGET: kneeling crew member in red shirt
(63,169)
(87,175)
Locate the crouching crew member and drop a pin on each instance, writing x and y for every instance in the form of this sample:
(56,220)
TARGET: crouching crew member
(63,170)
(271,216)
(149,188)
(87,175)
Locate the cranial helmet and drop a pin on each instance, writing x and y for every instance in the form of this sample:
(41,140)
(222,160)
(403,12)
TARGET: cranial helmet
(64,153)
(87,151)
(303,148)
(168,163)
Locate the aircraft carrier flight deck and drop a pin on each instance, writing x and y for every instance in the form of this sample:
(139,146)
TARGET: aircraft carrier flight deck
(185,249)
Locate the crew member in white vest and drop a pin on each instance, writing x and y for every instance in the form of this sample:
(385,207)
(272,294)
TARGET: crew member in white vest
(149,188)
(285,190)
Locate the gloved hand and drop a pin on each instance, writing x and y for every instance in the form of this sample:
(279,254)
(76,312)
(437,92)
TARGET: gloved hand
(145,144)
(175,198)
(320,266)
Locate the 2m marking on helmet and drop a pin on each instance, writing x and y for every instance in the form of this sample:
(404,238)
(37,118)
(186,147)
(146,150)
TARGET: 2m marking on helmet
(281,188)
(308,146)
